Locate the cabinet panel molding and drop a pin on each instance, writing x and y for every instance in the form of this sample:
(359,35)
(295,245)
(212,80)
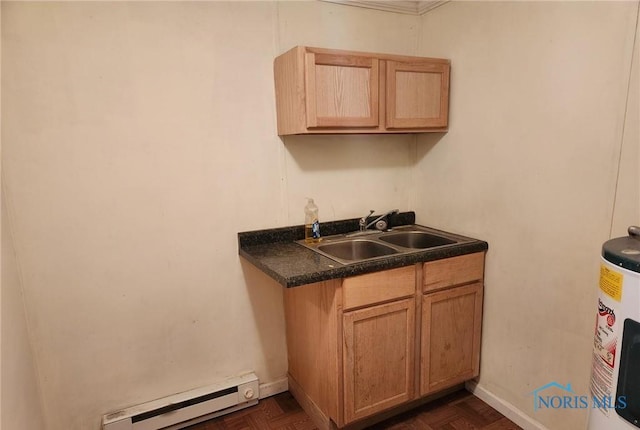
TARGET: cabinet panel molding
(342,91)
(378,358)
(417,94)
(451,328)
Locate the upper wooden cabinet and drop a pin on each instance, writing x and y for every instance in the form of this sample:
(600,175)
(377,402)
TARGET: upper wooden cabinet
(329,91)
(417,94)
(341,90)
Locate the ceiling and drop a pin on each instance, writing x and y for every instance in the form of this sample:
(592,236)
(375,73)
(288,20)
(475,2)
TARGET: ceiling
(407,7)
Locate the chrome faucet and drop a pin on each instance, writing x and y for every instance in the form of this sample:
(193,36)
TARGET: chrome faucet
(363,220)
(379,223)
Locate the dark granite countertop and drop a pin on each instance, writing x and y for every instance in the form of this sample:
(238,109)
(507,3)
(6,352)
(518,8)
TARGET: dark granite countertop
(275,252)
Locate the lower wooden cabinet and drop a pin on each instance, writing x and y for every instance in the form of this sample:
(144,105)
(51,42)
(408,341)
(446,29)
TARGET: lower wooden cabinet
(450,344)
(366,344)
(378,352)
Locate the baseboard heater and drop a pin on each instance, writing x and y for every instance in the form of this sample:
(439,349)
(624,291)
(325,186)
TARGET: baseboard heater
(188,408)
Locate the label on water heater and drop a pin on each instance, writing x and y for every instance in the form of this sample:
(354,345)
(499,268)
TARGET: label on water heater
(611,282)
(605,336)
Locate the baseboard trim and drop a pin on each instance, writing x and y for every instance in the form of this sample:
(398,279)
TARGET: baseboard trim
(504,407)
(278,386)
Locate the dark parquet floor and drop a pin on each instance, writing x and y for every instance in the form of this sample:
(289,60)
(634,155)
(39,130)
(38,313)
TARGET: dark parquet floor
(457,411)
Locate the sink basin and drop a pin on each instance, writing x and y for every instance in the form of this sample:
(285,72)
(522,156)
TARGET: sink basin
(356,249)
(416,240)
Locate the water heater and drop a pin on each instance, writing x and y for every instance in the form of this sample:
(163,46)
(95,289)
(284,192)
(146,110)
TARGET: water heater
(615,371)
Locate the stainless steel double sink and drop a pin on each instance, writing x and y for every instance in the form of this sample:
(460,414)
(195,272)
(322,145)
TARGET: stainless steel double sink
(363,246)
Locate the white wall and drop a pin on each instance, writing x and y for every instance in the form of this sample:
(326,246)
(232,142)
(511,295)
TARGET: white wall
(627,202)
(21,403)
(530,164)
(138,139)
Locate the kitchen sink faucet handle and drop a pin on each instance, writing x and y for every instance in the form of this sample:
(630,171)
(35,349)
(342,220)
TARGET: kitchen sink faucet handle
(363,220)
(382,222)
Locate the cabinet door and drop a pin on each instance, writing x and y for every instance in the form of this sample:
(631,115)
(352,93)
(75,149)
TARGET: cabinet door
(450,344)
(341,90)
(417,94)
(378,358)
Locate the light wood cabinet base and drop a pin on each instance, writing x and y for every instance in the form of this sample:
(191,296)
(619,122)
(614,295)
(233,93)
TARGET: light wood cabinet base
(325,423)
(368,347)
(321,421)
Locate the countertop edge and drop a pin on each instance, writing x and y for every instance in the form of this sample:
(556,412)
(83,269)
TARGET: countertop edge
(343,271)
